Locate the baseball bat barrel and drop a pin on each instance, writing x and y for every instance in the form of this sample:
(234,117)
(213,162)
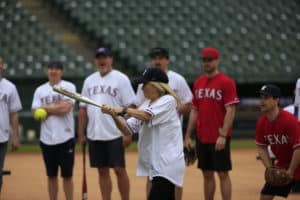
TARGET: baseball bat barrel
(75,95)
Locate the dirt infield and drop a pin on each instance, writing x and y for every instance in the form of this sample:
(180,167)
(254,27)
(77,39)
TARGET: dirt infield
(28,180)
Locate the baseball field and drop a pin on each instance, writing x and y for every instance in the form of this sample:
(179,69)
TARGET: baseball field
(28,179)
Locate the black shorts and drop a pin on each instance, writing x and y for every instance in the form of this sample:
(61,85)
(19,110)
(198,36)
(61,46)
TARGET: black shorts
(212,160)
(107,153)
(60,155)
(282,191)
(161,189)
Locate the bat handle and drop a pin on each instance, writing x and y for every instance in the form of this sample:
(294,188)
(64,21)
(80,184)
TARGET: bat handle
(84,197)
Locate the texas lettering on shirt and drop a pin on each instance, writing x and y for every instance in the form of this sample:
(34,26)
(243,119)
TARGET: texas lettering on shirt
(102,89)
(3,97)
(49,99)
(277,138)
(211,93)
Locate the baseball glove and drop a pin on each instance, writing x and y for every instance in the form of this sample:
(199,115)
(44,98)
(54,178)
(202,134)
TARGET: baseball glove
(277,176)
(190,156)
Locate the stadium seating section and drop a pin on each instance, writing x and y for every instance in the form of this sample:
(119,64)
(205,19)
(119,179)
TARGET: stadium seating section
(259,40)
(26,47)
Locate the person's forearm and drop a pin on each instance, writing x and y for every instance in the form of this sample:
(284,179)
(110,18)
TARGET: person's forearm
(59,108)
(264,156)
(184,108)
(191,123)
(139,114)
(295,162)
(228,120)
(82,121)
(14,121)
(120,123)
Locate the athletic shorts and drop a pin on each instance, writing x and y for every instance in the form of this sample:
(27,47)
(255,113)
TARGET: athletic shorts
(107,153)
(212,160)
(161,189)
(60,155)
(282,191)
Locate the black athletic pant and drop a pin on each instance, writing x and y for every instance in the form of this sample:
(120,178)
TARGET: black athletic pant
(162,189)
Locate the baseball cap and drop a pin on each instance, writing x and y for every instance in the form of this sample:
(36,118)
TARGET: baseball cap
(103,51)
(55,65)
(270,90)
(153,74)
(210,52)
(159,51)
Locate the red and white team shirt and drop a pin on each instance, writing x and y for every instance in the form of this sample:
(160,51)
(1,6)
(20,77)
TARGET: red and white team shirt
(211,96)
(283,136)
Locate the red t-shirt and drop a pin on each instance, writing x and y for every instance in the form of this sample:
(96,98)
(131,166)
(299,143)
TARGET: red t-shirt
(211,95)
(282,134)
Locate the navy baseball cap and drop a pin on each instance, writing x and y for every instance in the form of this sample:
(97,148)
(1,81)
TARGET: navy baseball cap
(103,51)
(270,90)
(153,74)
(159,51)
(55,65)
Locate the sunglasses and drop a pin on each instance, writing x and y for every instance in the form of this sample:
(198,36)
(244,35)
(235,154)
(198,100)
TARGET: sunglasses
(207,59)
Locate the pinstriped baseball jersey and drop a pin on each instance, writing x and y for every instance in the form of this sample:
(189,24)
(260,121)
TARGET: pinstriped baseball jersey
(9,102)
(160,141)
(113,89)
(55,129)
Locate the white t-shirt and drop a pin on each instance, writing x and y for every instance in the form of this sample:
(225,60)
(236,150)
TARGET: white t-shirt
(55,129)
(177,83)
(9,102)
(297,97)
(113,89)
(290,109)
(160,142)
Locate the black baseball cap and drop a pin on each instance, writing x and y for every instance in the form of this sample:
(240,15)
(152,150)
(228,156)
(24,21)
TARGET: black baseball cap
(103,51)
(270,90)
(153,74)
(55,65)
(159,51)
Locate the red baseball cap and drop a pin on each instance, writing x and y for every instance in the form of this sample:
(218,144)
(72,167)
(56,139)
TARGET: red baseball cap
(210,52)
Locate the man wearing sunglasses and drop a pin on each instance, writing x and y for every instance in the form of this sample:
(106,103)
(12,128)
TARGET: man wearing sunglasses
(214,105)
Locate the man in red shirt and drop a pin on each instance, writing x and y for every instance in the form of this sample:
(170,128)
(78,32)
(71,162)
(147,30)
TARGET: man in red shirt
(281,131)
(214,106)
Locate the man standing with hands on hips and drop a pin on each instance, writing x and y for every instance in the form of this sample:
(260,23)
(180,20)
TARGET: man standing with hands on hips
(106,143)
(10,104)
(213,112)
(57,130)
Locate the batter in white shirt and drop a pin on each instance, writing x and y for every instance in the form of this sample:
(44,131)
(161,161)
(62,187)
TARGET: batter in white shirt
(160,136)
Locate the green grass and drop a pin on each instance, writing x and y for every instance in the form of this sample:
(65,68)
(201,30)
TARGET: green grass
(235,144)
(242,143)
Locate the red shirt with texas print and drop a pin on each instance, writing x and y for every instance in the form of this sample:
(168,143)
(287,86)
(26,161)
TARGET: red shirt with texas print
(211,95)
(282,134)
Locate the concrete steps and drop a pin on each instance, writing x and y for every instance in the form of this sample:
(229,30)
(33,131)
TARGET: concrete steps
(56,24)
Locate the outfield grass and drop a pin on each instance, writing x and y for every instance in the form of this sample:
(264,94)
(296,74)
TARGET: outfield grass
(235,144)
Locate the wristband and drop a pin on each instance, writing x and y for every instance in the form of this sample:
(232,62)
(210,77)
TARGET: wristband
(223,136)
(124,111)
